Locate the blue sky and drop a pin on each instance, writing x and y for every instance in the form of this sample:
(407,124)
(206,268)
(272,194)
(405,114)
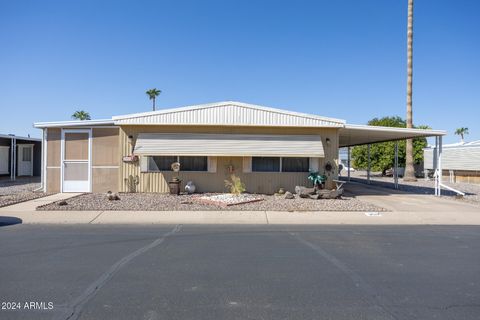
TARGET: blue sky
(343,59)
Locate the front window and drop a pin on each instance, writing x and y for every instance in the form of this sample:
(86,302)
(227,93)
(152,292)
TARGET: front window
(295,164)
(164,163)
(265,164)
(161,163)
(193,163)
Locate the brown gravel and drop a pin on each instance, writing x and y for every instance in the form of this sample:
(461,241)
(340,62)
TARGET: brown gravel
(166,202)
(9,199)
(13,192)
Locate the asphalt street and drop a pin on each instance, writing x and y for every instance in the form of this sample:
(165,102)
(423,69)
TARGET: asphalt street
(239,272)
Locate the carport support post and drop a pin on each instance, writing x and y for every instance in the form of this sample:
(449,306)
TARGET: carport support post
(440,173)
(368,170)
(13,158)
(395,169)
(435,165)
(348,162)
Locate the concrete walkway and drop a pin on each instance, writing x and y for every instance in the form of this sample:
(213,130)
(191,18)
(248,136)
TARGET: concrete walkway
(406,209)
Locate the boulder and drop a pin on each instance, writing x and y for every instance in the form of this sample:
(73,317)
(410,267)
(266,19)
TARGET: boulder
(304,192)
(112,196)
(330,194)
(289,195)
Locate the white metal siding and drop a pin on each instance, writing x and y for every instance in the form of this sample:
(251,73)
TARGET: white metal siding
(229,145)
(4,155)
(459,158)
(230,114)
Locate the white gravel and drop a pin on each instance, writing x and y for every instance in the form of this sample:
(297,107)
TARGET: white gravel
(167,202)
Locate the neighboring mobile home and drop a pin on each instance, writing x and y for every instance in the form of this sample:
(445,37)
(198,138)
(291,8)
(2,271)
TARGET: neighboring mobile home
(20,156)
(268,148)
(460,161)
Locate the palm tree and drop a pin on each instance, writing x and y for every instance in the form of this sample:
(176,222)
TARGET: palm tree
(409,169)
(81,115)
(461,132)
(153,94)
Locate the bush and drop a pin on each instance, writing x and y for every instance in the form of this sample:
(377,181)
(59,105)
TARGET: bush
(235,185)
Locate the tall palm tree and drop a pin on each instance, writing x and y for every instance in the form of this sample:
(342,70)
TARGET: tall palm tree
(409,169)
(461,132)
(153,94)
(81,115)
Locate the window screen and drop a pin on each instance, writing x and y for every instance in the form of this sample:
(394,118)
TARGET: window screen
(161,163)
(295,165)
(266,164)
(193,163)
(27,154)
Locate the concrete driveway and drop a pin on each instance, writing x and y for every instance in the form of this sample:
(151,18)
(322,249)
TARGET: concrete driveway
(400,201)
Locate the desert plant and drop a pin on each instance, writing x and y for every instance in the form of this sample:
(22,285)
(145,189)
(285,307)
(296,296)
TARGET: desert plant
(461,132)
(81,115)
(152,95)
(317,178)
(235,185)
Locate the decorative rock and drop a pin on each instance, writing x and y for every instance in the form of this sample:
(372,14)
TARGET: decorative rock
(289,195)
(330,194)
(190,187)
(112,196)
(304,192)
(62,203)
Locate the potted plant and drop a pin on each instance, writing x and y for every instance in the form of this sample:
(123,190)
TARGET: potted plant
(174,184)
(317,179)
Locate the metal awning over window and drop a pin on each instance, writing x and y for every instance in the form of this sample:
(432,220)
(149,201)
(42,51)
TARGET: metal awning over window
(185,144)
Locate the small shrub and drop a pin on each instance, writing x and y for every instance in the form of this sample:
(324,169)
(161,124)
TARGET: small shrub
(235,185)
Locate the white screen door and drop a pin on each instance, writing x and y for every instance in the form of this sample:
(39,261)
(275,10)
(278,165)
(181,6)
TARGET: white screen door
(25,160)
(76,160)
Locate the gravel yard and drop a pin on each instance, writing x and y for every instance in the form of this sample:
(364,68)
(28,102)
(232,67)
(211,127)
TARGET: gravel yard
(12,192)
(423,186)
(166,202)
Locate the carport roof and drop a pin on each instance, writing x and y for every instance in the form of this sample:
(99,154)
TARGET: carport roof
(353,134)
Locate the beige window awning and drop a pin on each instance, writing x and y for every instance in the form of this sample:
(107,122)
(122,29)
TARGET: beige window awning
(186,144)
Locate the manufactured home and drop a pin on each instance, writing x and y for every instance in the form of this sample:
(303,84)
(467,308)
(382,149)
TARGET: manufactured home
(460,161)
(20,156)
(267,148)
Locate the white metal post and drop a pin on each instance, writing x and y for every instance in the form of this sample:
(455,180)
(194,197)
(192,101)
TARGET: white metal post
(368,170)
(440,172)
(395,169)
(435,165)
(14,159)
(11,158)
(348,163)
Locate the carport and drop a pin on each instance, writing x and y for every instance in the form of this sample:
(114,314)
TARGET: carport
(20,156)
(355,135)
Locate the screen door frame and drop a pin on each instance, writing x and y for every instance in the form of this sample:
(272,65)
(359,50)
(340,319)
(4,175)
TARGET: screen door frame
(76,186)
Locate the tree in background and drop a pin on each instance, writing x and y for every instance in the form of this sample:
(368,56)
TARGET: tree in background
(382,155)
(81,115)
(410,152)
(153,94)
(461,132)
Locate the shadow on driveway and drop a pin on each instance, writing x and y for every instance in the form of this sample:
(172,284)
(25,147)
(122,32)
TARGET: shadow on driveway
(9,221)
